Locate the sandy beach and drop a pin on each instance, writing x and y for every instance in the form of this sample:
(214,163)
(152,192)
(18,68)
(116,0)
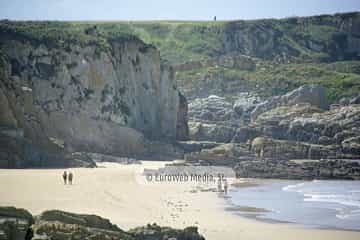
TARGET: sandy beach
(114,191)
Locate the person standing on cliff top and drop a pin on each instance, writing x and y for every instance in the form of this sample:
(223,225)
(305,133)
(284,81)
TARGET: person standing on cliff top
(64,177)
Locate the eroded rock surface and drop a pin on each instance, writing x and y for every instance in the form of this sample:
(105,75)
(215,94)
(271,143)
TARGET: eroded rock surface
(297,125)
(84,97)
(19,224)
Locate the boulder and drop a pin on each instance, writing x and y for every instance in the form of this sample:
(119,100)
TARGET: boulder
(245,103)
(15,223)
(86,220)
(221,155)
(351,145)
(245,134)
(153,231)
(211,132)
(355,100)
(313,94)
(210,109)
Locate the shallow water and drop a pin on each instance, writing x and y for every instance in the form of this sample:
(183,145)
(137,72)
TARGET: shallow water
(321,204)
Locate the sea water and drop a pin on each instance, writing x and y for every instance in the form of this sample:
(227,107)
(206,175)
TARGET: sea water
(321,204)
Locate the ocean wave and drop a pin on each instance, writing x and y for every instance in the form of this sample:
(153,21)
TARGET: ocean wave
(352,214)
(328,192)
(333,198)
(293,187)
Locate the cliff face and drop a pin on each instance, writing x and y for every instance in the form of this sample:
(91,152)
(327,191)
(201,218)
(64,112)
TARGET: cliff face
(325,37)
(81,97)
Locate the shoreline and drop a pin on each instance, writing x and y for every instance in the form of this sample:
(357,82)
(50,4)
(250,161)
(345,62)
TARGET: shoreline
(114,192)
(256,213)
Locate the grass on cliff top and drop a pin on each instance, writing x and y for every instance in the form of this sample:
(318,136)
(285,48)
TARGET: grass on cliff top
(342,79)
(59,34)
(186,41)
(178,41)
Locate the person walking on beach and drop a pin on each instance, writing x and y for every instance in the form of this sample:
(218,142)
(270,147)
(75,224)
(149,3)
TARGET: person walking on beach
(70,178)
(225,186)
(219,186)
(64,177)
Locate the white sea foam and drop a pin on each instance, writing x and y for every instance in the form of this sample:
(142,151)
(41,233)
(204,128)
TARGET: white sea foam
(294,187)
(346,199)
(340,199)
(319,202)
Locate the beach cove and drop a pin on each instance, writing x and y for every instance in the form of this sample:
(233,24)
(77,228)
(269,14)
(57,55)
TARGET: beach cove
(115,192)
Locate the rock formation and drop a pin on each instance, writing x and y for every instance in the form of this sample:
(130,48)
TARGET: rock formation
(15,224)
(300,169)
(108,95)
(294,126)
(312,94)
(19,224)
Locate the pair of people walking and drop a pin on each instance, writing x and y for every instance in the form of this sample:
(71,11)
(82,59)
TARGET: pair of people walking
(68,177)
(222,182)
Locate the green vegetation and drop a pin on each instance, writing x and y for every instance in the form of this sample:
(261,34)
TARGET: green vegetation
(342,79)
(178,41)
(59,34)
(290,52)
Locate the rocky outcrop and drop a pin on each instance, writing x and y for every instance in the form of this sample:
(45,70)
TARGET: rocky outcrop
(211,109)
(221,155)
(19,224)
(219,119)
(182,127)
(266,136)
(268,148)
(212,119)
(15,224)
(265,38)
(312,94)
(310,124)
(108,95)
(153,231)
(211,132)
(300,169)
(91,221)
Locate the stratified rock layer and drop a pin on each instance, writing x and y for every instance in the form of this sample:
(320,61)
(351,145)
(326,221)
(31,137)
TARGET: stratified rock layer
(84,97)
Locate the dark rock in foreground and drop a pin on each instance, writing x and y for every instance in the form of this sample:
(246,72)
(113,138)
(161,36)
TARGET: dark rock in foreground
(18,224)
(15,224)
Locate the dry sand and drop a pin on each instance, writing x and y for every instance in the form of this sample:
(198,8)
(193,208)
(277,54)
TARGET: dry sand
(115,192)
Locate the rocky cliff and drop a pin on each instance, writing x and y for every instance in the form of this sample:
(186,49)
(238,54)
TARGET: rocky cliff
(271,133)
(63,94)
